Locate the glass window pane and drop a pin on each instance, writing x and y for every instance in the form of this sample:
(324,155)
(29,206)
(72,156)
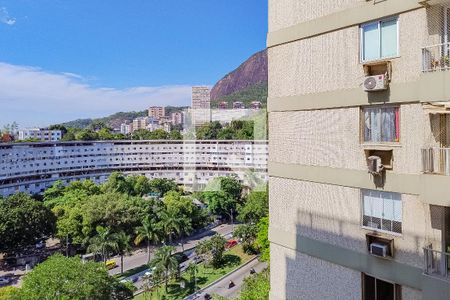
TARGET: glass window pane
(389,38)
(370,41)
(377,205)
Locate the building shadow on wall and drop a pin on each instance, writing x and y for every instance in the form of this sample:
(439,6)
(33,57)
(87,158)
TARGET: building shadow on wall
(311,276)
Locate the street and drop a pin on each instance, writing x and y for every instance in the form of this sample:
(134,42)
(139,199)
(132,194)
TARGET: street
(221,287)
(139,258)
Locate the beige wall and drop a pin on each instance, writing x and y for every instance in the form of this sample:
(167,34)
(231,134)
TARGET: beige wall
(332,214)
(331,61)
(285,13)
(331,137)
(297,276)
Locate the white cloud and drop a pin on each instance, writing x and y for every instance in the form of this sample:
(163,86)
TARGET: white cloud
(5,18)
(32,96)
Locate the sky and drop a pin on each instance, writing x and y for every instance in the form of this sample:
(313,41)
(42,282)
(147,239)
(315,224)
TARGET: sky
(62,60)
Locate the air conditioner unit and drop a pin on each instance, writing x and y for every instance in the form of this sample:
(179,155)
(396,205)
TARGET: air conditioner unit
(374,165)
(375,83)
(379,249)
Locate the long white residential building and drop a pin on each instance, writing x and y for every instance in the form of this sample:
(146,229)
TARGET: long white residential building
(33,167)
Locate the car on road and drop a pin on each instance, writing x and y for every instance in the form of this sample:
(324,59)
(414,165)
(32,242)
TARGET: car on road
(208,297)
(110,264)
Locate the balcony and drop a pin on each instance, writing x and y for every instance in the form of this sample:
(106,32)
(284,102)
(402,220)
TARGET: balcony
(436,263)
(436,161)
(436,58)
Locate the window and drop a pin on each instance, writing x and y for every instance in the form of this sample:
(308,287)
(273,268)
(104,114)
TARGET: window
(381,124)
(377,289)
(379,40)
(382,211)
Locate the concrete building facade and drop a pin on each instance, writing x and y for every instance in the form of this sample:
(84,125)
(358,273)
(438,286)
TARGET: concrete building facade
(33,167)
(201,105)
(41,134)
(156,112)
(340,229)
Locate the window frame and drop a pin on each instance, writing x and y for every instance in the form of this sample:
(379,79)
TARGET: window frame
(397,287)
(361,39)
(381,219)
(362,125)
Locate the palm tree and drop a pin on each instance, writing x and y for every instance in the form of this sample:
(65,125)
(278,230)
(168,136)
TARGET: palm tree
(192,270)
(148,231)
(164,260)
(173,224)
(123,247)
(103,243)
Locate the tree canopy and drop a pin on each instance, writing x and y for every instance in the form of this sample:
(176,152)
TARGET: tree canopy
(68,278)
(23,222)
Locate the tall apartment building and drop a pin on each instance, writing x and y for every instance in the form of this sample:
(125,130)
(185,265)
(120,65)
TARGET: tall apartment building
(156,112)
(140,123)
(359,169)
(201,104)
(177,118)
(41,134)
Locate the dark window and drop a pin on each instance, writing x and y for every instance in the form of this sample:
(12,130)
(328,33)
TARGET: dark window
(377,289)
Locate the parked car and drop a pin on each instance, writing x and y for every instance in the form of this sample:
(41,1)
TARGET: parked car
(4,280)
(231,243)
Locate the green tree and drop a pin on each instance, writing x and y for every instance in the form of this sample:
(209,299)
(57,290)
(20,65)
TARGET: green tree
(231,187)
(220,204)
(117,183)
(67,278)
(175,135)
(150,232)
(164,260)
(256,287)
(162,186)
(103,243)
(171,223)
(212,250)
(123,247)
(262,239)
(247,233)
(23,221)
(105,134)
(55,191)
(9,293)
(86,135)
(159,134)
(255,207)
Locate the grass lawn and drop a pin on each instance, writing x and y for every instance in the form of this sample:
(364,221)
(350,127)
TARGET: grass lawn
(205,275)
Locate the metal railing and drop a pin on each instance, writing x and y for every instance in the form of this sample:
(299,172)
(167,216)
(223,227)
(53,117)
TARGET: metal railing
(436,161)
(436,263)
(436,57)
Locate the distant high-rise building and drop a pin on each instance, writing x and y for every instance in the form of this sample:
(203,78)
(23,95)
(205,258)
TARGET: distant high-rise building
(156,112)
(140,123)
(201,104)
(177,118)
(126,128)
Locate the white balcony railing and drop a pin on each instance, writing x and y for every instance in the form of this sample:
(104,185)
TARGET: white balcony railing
(436,161)
(436,263)
(436,57)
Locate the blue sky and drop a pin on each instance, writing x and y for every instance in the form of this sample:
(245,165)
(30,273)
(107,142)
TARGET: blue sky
(61,60)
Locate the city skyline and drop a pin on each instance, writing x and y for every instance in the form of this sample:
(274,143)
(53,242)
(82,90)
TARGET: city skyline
(72,72)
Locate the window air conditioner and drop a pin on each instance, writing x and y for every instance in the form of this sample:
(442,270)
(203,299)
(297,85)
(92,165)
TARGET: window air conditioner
(378,249)
(374,165)
(375,83)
